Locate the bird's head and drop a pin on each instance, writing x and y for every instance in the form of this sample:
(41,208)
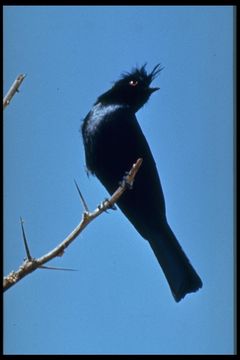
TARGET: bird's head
(132,89)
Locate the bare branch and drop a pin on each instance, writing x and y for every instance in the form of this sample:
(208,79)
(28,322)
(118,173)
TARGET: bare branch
(29,265)
(13,89)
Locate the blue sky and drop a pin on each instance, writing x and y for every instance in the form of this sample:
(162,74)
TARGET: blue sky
(118,302)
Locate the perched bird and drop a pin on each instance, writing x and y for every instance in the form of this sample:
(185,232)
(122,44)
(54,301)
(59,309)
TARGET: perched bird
(113,141)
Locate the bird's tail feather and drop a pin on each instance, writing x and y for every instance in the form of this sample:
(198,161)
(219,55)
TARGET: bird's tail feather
(181,276)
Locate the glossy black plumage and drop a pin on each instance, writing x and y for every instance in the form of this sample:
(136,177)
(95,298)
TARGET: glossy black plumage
(113,141)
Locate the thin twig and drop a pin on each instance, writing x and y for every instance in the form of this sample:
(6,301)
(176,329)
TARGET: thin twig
(29,266)
(13,89)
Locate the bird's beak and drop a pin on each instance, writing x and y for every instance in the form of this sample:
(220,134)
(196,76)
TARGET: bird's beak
(151,90)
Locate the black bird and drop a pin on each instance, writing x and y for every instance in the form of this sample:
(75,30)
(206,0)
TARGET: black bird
(113,141)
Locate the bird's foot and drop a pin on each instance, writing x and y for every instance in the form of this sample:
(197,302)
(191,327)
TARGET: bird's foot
(126,183)
(106,202)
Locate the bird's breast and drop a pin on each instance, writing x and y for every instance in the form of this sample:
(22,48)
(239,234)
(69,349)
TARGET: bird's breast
(105,133)
(100,115)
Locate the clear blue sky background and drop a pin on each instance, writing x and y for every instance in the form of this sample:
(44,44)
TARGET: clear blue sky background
(118,302)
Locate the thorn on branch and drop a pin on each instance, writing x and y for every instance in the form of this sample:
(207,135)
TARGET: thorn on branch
(55,268)
(29,257)
(82,198)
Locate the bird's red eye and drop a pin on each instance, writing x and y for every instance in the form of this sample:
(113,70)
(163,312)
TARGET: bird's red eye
(133,82)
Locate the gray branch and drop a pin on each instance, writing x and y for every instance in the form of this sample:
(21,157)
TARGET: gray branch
(13,89)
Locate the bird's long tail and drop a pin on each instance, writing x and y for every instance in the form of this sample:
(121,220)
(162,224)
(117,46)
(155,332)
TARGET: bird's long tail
(181,276)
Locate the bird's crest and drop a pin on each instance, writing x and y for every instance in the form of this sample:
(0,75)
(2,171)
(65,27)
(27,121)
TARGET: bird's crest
(141,73)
